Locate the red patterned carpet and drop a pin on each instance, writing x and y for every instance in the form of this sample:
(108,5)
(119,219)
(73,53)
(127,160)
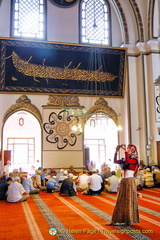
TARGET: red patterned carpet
(49,216)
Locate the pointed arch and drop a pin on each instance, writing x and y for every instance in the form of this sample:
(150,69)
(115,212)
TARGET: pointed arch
(101,105)
(23,103)
(122,16)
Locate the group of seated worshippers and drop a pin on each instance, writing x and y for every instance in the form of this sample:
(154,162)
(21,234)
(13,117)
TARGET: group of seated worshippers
(67,183)
(147,177)
(13,191)
(16,189)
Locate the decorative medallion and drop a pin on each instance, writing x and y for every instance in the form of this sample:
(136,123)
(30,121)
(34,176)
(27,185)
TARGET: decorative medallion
(62,129)
(59,129)
(64,3)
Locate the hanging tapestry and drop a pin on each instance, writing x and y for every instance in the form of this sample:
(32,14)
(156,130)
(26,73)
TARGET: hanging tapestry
(46,67)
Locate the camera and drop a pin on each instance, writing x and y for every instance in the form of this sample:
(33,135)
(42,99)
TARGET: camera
(120,145)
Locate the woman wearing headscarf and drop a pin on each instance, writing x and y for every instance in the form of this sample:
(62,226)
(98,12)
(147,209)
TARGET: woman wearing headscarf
(126,208)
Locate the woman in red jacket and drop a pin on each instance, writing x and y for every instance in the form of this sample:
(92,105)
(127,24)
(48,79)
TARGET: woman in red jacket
(126,208)
(130,163)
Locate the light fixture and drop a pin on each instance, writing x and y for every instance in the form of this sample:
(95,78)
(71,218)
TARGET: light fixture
(77,128)
(119,128)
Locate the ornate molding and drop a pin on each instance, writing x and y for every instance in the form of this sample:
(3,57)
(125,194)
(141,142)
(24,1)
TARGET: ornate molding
(150,15)
(139,20)
(124,21)
(101,105)
(63,101)
(23,103)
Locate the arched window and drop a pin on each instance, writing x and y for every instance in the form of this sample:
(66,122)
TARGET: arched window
(95,22)
(28,19)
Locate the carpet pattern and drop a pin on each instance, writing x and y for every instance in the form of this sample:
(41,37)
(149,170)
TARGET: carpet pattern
(52,219)
(50,216)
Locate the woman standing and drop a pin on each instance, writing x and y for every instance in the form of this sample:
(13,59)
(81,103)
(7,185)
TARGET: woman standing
(126,208)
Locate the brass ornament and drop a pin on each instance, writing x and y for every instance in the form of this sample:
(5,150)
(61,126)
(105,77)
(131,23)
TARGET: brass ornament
(23,103)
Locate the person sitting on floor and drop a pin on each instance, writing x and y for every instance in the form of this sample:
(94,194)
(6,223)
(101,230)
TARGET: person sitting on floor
(71,169)
(147,178)
(2,178)
(37,183)
(91,166)
(59,174)
(63,177)
(106,173)
(28,186)
(52,185)
(4,188)
(68,186)
(82,181)
(95,184)
(16,192)
(52,172)
(43,177)
(11,175)
(112,183)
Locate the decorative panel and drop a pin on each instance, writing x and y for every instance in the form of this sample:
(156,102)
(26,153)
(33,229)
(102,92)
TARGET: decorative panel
(48,67)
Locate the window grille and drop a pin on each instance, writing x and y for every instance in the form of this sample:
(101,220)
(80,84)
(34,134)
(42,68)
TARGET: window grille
(28,19)
(95,22)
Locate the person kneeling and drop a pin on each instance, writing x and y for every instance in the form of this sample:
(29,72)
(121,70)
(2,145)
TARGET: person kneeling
(52,185)
(68,186)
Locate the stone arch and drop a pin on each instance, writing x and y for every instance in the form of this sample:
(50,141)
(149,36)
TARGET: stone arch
(137,13)
(123,19)
(139,20)
(23,103)
(101,105)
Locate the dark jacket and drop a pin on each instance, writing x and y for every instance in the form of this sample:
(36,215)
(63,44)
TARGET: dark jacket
(67,188)
(3,191)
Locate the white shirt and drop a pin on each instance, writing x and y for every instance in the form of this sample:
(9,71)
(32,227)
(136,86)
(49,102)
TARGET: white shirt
(28,185)
(113,183)
(128,173)
(95,181)
(83,181)
(15,191)
(7,169)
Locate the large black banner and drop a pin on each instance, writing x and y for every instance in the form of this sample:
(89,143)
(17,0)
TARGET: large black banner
(46,67)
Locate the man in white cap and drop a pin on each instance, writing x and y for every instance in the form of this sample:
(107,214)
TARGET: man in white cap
(68,186)
(16,192)
(63,177)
